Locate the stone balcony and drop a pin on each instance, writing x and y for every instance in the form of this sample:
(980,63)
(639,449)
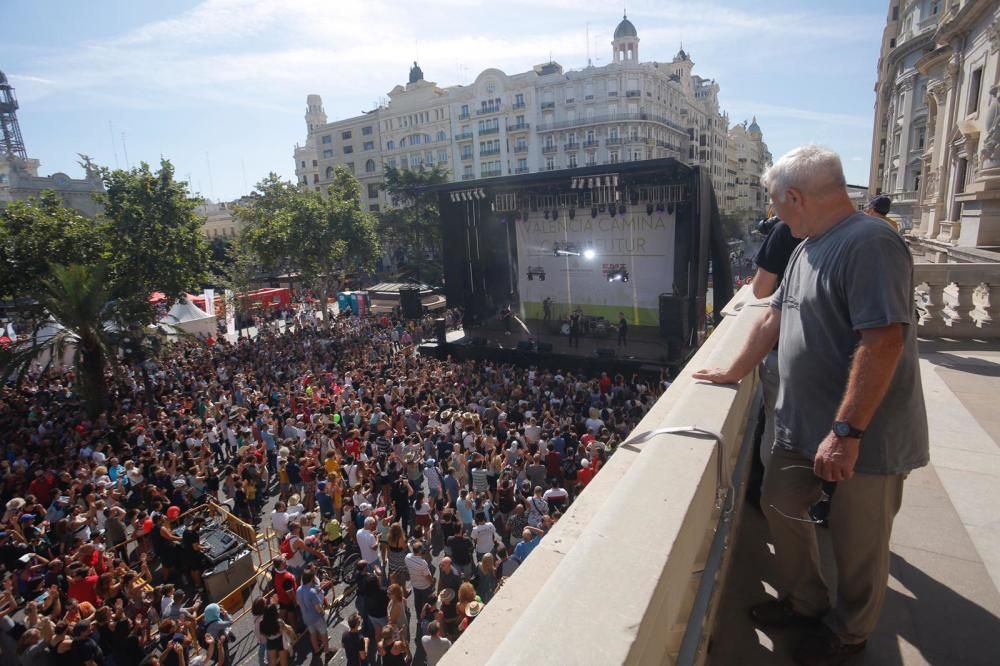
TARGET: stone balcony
(958,300)
(658,560)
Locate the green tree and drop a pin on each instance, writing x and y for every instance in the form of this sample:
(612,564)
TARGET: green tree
(321,237)
(79,299)
(156,236)
(37,232)
(238,275)
(412,227)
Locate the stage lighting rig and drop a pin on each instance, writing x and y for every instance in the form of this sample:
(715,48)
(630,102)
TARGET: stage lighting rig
(536,271)
(618,275)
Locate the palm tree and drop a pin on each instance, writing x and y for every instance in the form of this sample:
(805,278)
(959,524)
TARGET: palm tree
(78,301)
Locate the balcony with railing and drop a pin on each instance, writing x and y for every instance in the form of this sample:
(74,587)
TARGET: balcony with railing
(572,145)
(549,148)
(520,149)
(518,105)
(633,93)
(591,143)
(488,152)
(493,129)
(617,118)
(614,141)
(465,115)
(490,173)
(491,108)
(467,155)
(659,558)
(464,136)
(468,176)
(521,169)
(519,127)
(548,105)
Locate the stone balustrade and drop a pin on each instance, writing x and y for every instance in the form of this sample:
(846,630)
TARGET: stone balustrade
(957,300)
(629,573)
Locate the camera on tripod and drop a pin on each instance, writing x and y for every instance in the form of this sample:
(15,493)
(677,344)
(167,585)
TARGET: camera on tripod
(764,227)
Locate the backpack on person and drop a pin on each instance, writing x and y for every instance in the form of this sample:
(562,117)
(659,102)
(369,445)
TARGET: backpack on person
(286,547)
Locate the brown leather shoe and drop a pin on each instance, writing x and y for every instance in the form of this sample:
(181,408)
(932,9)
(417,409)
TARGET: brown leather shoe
(779,613)
(824,648)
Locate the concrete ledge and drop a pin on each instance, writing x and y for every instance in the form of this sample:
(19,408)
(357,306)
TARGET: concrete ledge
(633,545)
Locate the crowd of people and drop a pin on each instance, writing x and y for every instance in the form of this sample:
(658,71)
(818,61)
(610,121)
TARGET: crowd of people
(442,475)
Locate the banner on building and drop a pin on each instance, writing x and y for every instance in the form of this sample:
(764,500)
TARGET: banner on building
(603,265)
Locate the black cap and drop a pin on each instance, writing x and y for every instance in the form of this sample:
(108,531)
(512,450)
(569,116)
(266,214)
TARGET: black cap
(880,204)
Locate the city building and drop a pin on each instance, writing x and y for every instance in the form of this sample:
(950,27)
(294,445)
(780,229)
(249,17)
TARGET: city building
(219,220)
(19,179)
(936,143)
(539,120)
(747,157)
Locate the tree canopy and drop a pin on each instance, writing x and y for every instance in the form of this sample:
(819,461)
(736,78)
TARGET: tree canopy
(321,237)
(412,226)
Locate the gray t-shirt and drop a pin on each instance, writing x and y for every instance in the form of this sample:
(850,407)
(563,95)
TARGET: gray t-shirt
(857,275)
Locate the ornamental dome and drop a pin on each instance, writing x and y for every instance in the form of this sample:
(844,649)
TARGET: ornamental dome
(625,29)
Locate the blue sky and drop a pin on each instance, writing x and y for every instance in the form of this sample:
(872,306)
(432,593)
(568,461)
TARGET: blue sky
(224,82)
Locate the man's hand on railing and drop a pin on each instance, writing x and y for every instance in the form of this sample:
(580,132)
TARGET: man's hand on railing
(716,375)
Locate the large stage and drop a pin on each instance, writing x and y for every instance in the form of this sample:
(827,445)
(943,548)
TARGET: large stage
(632,239)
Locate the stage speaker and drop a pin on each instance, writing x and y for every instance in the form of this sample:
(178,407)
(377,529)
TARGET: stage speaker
(228,575)
(440,331)
(545,347)
(525,345)
(605,352)
(674,317)
(409,303)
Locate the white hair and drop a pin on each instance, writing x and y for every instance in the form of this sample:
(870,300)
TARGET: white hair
(808,168)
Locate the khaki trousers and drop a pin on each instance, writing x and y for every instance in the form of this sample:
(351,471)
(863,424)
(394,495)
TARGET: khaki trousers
(861,518)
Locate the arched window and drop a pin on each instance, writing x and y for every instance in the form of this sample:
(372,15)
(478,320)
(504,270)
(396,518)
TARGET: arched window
(441,136)
(370,166)
(391,145)
(329,172)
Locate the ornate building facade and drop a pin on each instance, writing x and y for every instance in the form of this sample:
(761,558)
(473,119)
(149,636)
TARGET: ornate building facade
(936,147)
(540,120)
(747,157)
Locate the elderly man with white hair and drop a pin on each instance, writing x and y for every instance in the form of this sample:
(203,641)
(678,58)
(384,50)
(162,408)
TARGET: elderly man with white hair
(850,407)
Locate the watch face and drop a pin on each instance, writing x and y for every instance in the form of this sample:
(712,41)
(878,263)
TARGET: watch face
(841,429)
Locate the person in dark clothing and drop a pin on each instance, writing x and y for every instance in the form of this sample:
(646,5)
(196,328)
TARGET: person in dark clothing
(622,330)
(354,642)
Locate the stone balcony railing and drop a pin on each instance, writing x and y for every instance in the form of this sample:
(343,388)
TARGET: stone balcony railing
(629,574)
(957,300)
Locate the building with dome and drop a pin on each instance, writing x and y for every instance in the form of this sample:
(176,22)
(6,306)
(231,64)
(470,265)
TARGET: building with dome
(747,157)
(543,119)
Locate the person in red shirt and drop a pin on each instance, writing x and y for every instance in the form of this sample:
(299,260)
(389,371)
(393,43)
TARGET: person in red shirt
(41,487)
(284,589)
(83,585)
(605,383)
(586,473)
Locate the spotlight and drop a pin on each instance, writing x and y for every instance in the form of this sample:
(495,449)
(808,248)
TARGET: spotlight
(590,183)
(589,253)
(480,193)
(546,213)
(541,276)
(619,275)
(659,207)
(614,181)
(670,209)
(531,276)
(612,210)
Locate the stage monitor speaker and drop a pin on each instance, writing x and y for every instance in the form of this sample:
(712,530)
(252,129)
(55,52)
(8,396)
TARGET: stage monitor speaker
(410,304)
(673,317)
(545,347)
(525,345)
(605,352)
(228,575)
(441,331)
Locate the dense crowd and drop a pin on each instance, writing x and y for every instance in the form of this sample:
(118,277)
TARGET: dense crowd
(442,475)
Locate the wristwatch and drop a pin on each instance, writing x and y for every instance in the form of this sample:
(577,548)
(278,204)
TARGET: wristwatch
(845,429)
